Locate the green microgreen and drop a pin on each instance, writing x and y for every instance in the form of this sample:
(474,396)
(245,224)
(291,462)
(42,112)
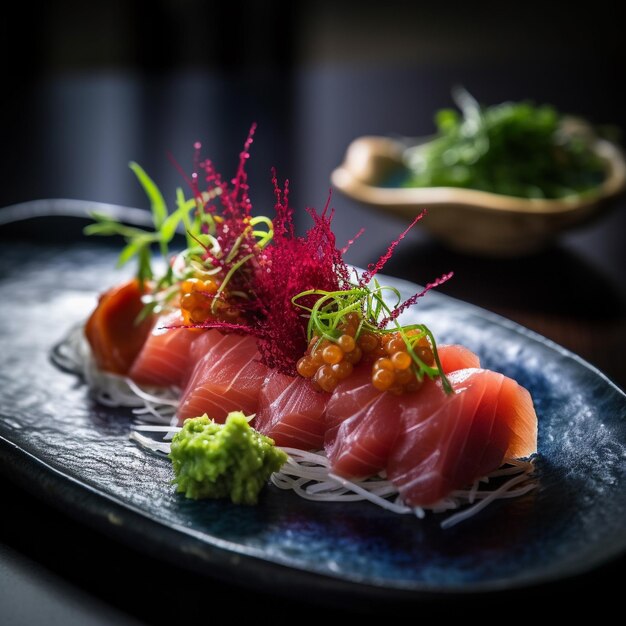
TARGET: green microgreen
(514,148)
(330,309)
(139,241)
(203,247)
(233,268)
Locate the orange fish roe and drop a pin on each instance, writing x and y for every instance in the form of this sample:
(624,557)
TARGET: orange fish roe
(328,362)
(199,302)
(394,372)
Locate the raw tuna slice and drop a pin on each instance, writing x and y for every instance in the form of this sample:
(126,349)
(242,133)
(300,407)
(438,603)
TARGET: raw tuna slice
(164,359)
(454,357)
(291,412)
(448,441)
(227,377)
(362,423)
(111,330)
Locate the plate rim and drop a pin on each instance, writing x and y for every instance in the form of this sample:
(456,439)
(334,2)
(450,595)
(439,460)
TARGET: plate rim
(107,513)
(229,555)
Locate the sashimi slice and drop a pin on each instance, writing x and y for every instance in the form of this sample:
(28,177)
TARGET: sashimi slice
(112,330)
(362,423)
(448,441)
(227,377)
(291,412)
(360,428)
(455,357)
(516,408)
(164,359)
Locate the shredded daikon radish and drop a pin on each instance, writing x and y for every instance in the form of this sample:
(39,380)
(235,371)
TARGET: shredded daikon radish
(74,355)
(308,474)
(326,486)
(157,429)
(504,491)
(148,443)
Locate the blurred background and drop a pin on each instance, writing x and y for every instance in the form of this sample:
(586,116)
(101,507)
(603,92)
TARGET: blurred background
(90,86)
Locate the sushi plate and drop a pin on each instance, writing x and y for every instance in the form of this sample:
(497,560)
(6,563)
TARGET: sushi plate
(61,445)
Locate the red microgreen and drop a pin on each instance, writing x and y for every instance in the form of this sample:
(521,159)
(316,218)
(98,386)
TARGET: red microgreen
(290,265)
(374,268)
(279,293)
(351,241)
(397,311)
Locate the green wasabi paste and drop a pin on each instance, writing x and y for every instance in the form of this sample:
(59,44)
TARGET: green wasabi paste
(230,460)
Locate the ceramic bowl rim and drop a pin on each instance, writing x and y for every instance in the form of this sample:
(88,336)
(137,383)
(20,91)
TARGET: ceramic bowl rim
(348,183)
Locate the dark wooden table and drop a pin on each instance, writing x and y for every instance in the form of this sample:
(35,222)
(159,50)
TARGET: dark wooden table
(73,138)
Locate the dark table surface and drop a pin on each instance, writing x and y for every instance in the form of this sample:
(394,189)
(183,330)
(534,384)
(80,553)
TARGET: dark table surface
(73,136)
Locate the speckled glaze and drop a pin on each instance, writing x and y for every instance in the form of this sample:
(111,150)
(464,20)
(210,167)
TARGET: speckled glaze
(64,447)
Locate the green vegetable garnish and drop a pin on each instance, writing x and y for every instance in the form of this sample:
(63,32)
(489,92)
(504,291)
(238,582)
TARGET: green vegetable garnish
(212,244)
(330,309)
(516,149)
(139,241)
(230,460)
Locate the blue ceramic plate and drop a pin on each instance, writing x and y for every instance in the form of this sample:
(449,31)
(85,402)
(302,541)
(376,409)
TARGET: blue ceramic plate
(76,453)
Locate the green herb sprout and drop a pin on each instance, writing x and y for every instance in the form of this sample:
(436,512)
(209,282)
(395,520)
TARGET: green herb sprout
(331,308)
(516,149)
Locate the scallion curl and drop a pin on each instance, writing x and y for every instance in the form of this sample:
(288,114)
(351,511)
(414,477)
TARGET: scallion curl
(331,308)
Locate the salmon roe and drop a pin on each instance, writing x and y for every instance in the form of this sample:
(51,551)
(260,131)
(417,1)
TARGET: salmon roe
(393,371)
(198,303)
(328,362)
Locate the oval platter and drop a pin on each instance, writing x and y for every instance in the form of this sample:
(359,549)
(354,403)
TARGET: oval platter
(57,442)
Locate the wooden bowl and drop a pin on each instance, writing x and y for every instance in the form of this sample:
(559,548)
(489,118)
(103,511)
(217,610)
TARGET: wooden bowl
(467,219)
